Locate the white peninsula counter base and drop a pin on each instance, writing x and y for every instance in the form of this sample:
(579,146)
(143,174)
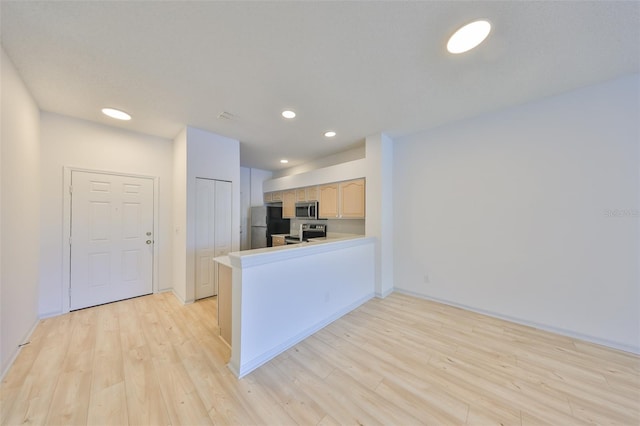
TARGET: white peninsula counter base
(282,295)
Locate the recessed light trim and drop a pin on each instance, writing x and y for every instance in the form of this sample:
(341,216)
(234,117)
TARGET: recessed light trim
(283,161)
(469,36)
(116,113)
(330,134)
(288,114)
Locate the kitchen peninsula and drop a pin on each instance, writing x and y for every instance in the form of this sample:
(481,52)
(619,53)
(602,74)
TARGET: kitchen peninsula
(278,296)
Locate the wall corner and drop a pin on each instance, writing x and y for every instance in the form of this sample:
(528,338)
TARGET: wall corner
(379,199)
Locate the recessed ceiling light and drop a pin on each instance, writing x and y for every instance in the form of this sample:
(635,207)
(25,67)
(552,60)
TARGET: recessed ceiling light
(283,161)
(288,114)
(469,36)
(116,113)
(330,134)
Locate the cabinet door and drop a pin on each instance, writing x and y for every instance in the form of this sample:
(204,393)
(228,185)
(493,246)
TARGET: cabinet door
(289,204)
(268,197)
(277,241)
(276,196)
(352,203)
(301,194)
(328,201)
(312,193)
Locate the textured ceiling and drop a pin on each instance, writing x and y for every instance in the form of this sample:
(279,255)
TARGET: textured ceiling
(354,67)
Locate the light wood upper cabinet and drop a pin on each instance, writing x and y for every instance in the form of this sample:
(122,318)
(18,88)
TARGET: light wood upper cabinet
(344,200)
(272,197)
(328,201)
(352,199)
(289,204)
(312,193)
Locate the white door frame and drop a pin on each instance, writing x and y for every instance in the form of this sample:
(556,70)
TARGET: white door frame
(66,228)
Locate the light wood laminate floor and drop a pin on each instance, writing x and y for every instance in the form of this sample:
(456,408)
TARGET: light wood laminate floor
(397,361)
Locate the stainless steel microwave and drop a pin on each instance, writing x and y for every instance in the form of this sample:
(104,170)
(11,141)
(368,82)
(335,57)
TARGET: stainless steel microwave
(307,210)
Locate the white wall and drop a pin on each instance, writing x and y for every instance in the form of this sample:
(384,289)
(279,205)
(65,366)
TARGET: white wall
(510,213)
(180,215)
(258,177)
(208,156)
(19,213)
(71,142)
(355,153)
(336,173)
(245,208)
(380,201)
(273,311)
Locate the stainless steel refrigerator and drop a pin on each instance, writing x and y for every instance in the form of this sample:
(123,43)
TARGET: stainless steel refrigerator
(266,221)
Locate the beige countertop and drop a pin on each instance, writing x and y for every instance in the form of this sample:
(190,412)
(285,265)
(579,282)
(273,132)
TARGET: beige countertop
(223,260)
(331,237)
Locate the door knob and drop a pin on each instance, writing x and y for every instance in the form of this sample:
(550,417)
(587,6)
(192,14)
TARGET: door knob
(148,234)
(148,241)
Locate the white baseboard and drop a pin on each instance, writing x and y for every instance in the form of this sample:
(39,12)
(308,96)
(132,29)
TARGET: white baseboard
(180,299)
(16,352)
(50,315)
(234,368)
(544,327)
(384,293)
(248,367)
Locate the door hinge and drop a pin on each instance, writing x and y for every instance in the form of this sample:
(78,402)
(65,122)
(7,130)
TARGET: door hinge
(70,189)
(70,240)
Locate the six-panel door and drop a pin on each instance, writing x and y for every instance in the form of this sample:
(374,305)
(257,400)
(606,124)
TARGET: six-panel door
(111,238)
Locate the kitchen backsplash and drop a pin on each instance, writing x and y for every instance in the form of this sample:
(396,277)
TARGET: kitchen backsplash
(351,226)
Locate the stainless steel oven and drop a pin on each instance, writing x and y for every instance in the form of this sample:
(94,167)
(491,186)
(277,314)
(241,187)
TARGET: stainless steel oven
(307,231)
(313,230)
(307,210)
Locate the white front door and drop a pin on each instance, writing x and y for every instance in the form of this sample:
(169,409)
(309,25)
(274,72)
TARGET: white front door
(213,231)
(111,238)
